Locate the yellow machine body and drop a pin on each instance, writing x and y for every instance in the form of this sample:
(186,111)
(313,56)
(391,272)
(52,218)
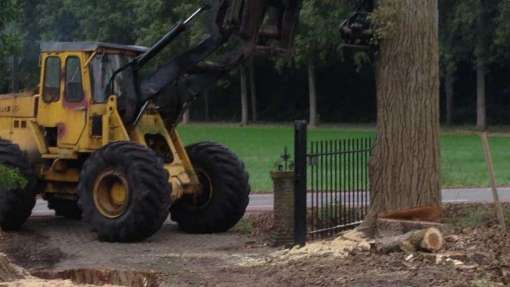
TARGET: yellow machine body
(58,134)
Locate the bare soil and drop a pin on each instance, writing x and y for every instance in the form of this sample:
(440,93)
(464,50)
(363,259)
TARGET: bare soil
(60,248)
(479,255)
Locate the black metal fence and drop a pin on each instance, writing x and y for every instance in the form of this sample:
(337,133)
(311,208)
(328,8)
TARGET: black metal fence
(332,186)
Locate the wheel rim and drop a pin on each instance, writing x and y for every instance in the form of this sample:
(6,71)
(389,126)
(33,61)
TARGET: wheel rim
(206,193)
(203,196)
(111,194)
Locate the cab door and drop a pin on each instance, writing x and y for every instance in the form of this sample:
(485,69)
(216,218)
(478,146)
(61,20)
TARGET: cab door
(63,111)
(74,103)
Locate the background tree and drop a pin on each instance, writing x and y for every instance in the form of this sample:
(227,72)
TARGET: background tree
(10,44)
(482,53)
(248,92)
(468,35)
(452,51)
(9,11)
(501,41)
(243,72)
(253,89)
(318,42)
(502,30)
(404,169)
(282,94)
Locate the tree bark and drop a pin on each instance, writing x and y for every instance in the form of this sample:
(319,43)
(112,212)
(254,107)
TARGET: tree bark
(253,91)
(481,112)
(429,240)
(450,109)
(186,116)
(244,95)
(313,94)
(404,168)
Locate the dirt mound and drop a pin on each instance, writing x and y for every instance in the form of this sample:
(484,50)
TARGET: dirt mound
(12,275)
(104,277)
(34,282)
(9,271)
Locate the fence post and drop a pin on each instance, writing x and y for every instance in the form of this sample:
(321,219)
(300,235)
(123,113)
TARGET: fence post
(300,150)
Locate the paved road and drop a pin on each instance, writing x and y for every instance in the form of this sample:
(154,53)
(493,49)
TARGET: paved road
(264,202)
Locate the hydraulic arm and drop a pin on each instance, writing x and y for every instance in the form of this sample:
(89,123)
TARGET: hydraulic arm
(256,26)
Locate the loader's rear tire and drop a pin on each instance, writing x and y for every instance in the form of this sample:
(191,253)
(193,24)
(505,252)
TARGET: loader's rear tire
(16,203)
(225,191)
(124,192)
(65,208)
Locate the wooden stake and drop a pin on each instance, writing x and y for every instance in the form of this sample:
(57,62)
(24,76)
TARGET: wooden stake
(490,168)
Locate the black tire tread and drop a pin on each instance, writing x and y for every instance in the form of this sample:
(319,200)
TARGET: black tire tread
(16,204)
(148,209)
(231,190)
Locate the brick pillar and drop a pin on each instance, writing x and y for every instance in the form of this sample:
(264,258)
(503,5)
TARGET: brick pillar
(283,190)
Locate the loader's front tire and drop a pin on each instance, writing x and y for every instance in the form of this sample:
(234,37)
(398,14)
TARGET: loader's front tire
(16,202)
(124,192)
(224,195)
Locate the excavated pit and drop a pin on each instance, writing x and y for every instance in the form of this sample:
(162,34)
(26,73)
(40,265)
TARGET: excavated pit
(103,277)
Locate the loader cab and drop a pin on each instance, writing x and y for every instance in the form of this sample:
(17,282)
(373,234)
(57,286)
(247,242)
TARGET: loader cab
(74,80)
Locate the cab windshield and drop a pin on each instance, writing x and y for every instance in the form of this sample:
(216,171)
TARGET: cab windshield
(102,67)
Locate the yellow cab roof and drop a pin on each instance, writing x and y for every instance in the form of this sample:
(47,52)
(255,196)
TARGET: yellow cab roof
(88,47)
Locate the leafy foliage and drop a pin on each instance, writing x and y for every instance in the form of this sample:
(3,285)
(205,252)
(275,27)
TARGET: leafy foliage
(502,30)
(473,30)
(11,178)
(318,37)
(24,23)
(9,36)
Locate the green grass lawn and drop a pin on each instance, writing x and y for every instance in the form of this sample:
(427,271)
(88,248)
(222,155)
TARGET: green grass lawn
(462,161)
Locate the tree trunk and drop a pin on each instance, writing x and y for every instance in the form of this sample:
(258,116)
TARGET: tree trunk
(481,112)
(186,116)
(244,95)
(404,168)
(313,94)
(253,91)
(206,105)
(481,66)
(429,240)
(449,83)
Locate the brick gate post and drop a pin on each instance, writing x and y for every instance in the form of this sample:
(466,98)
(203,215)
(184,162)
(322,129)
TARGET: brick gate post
(283,190)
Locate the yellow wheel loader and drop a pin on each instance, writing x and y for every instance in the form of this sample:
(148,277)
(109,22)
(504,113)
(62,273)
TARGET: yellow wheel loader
(97,138)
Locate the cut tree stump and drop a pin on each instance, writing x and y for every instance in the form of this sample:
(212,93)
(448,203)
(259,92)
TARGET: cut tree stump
(428,240)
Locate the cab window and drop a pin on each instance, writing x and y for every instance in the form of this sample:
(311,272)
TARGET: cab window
(52,80)
(103,67)
(74,89)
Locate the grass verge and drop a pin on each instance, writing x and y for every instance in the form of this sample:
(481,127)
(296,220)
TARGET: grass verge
(259,146)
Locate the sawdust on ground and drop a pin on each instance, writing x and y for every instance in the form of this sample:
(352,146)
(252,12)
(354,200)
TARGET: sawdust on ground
(340,247)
